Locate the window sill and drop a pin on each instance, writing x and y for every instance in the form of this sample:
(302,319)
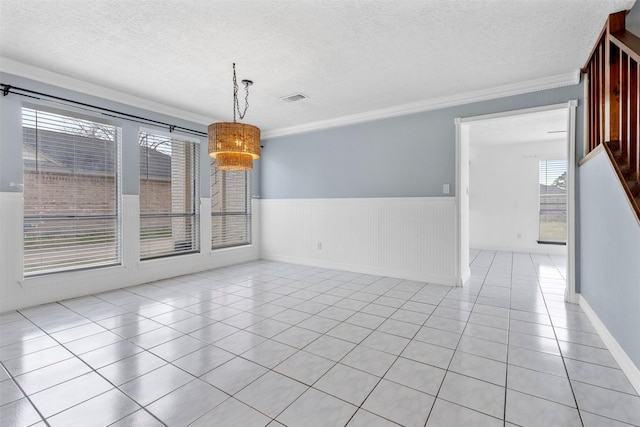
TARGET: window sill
(551,242)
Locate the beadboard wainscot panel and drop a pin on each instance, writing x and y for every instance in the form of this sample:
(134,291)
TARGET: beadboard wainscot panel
(11,229)
(411,238)
(18,292)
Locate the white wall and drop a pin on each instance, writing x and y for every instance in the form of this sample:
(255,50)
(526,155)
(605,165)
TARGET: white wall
(18,292)
(407,237)
(462,191)
(504,193)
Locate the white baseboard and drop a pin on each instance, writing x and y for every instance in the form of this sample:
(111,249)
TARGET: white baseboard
(466,275)
(534,249)
(626,364)
(364,269)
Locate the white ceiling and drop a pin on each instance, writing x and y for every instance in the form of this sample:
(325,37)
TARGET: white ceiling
(535,127)
(350,57)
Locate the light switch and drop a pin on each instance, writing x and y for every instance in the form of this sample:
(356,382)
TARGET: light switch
(445,189)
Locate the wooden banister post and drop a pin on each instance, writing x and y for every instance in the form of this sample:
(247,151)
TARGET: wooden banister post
(616,22)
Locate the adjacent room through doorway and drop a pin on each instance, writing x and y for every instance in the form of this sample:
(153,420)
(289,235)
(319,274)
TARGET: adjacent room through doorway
(515,189)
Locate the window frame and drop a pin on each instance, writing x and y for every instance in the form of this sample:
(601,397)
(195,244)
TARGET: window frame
(246,212)
(541,240)
(195,195)
(117,215)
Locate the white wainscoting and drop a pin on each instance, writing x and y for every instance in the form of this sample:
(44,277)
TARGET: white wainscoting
(411,238)
(18,292)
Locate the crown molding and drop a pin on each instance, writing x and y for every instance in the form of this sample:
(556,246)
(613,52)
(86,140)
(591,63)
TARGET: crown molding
(17,68)
(535,85)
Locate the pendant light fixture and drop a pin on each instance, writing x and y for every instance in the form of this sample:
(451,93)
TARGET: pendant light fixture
(235,145)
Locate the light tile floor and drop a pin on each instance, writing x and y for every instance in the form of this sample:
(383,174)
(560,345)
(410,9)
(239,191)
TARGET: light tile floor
(275,344)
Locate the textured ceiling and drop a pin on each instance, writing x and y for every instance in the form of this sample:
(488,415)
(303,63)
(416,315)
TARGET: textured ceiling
(540,126)
(348,56)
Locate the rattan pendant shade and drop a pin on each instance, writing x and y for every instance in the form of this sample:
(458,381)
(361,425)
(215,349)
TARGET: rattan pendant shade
(234,145)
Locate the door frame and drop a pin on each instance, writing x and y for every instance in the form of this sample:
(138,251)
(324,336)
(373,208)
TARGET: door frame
(462,190)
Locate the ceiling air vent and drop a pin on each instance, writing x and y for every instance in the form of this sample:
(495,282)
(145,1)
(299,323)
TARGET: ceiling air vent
(293,98)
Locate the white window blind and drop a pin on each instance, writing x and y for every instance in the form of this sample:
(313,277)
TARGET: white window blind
(168,196)
(230,207)
(71,192)
(553,201)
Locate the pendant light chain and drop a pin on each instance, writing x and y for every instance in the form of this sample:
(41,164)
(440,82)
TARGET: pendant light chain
(236,104)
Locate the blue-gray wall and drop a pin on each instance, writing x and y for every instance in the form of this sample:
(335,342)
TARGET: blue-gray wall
(407,156)
(633,19)
(11,135)
(610,254)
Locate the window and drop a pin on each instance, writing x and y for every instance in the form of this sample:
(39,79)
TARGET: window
(169,200)
(230,207)
(71,192)
(553,201)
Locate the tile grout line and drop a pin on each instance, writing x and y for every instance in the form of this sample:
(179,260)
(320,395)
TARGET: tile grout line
(564,364)
(91,370)
(26,396)
(396,359)
(198,377)
(336,363)
(287,283)
(297,350)
(147,350)
(506,371)
(458,343)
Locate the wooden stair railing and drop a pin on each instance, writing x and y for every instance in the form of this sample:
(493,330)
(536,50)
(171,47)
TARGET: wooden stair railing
(612,97)
(631,184)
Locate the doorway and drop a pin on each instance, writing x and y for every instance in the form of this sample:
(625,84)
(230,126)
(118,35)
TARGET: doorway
(515,123)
